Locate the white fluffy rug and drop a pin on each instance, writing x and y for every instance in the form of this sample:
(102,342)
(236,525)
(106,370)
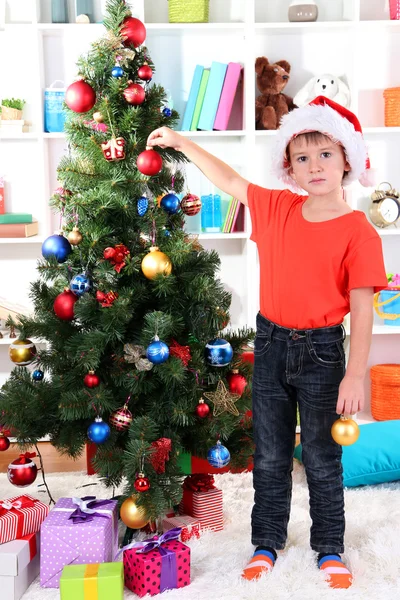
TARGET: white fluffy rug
(372,545)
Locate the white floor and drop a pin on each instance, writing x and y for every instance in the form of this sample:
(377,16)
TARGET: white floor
(372,545)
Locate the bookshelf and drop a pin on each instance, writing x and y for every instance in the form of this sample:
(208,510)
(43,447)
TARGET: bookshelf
(341,42)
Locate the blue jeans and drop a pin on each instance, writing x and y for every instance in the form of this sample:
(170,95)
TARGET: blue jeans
(297,367)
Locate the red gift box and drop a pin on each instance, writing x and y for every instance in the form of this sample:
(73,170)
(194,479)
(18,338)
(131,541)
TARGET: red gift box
(20,516)
(203,501)
(190,526)
(157,564)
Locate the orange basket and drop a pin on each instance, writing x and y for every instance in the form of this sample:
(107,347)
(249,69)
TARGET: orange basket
(385,392)
(392,107)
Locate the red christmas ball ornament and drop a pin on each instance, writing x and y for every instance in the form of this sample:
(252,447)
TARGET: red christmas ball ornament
(64,305)
(121,419)
(91,380)
(22,471)
(134,94)
(202,409)
(149,162)
(142,483)
(145,72)
(134,32)
(191,205)
(80,96)
(236,382)
(4,442)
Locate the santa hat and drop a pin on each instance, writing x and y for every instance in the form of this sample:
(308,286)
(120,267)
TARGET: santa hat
(334,121)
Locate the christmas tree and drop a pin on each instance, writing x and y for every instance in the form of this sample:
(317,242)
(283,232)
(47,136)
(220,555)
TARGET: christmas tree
(128,303)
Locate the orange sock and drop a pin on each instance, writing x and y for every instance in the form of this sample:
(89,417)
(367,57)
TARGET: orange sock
(261,562)
(338,573)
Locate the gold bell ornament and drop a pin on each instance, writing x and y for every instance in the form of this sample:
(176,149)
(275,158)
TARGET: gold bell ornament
(345,431)
(132,515)
(22,352)
(75,237)
(156,262)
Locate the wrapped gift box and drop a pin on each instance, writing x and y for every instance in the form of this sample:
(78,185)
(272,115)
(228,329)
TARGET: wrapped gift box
(92,582)
(20,516)
(69,537)
(190,526)
(19,566)
(158,564)
(203,501)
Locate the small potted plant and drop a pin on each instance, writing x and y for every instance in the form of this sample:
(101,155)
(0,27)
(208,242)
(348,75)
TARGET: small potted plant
(11,109)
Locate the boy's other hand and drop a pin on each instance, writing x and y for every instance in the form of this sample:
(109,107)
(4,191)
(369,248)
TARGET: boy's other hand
(351,395)
(165,138)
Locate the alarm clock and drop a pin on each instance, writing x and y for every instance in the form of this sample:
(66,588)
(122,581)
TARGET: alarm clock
(385,206)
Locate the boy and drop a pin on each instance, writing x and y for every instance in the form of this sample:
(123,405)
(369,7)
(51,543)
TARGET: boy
(319,260)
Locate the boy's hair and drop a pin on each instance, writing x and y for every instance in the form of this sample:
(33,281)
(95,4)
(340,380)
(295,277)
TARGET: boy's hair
(314,137)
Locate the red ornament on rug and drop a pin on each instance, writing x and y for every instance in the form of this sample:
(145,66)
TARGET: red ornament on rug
(145,72)
(22,471)
(161,454)
(181,352)
(107,299)
(202,410)
(4,442)
(134,32)
(236,382)
(91,380)
(134,94)
(80,96)
(149,162)
(64,305)
(114,149)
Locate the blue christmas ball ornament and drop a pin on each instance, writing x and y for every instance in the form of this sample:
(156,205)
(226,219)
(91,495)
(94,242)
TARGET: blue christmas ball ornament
(37,375)
(167,112)
(166,232)
(218,352)
(117,71)
(157,352)
(170,203)
(98,432)
(142,206)
(56,246)
(218,456)
(80,284)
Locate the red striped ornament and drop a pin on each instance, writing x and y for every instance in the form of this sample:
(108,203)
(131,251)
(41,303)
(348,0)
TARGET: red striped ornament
(191,205)
(20,516)
(121,419)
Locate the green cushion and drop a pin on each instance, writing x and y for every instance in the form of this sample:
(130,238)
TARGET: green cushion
(374,458)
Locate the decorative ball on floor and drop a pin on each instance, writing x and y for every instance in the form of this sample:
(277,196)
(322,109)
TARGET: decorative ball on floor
(218,456)
(132,515)
(22,352)
(22,471)
(56,246)
(99,431)
(37,375)
(4,442)
(218,352)
(345,431)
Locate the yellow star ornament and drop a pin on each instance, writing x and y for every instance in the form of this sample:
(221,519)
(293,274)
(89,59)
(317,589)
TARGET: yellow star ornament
(223,400)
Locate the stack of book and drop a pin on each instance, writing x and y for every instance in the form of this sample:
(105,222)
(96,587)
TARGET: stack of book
(234,220)
(15,224)
(215,99)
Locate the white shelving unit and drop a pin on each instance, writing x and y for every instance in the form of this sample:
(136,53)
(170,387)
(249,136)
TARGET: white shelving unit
(340,42)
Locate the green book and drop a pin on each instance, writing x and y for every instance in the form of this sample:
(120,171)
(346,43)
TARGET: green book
(200,98)
(8,218)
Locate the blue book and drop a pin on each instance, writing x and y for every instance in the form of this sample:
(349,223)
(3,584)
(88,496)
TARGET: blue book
(191,103)
(213,94)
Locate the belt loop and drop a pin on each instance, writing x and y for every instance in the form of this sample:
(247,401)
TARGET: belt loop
(271,329)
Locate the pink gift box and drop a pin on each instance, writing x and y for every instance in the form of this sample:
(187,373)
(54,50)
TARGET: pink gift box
(152,572)
(190,526)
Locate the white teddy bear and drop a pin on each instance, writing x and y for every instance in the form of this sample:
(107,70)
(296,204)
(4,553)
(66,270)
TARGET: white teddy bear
(324,85)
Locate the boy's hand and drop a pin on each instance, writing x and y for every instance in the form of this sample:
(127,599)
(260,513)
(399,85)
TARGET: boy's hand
(165,138)
(351,395)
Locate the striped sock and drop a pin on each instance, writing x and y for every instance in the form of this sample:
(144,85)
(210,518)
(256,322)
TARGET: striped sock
(261,562)
(338,574)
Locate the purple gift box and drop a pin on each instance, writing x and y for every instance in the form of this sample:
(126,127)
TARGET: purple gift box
(77,531)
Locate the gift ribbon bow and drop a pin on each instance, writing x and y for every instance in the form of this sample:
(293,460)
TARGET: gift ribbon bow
(200,482)
(86,509)
(22,502)
(169,576)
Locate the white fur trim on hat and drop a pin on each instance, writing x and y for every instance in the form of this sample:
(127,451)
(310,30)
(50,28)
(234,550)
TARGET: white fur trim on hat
(328,121)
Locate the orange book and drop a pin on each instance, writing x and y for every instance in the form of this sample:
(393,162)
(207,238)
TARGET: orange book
(19,230)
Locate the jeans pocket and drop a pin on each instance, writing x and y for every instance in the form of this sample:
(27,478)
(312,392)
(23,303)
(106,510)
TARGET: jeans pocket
(327,354)
(262,344)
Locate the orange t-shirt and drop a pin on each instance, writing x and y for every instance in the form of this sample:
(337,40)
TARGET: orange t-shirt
(307,269)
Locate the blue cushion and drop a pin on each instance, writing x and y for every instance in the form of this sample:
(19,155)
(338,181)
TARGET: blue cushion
(375,456)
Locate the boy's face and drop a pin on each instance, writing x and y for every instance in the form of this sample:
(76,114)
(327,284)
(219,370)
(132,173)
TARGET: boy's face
(317,166)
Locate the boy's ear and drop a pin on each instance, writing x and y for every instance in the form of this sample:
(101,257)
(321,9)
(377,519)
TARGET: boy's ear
(347,167)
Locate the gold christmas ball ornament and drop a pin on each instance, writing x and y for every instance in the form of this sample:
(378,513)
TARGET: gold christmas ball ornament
(345,431)
(22,352)
(132,515)
(156,262)
(75,237)
(98,117)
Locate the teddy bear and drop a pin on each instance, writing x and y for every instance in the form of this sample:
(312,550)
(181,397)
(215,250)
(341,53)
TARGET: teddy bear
(272,104)
(324,85)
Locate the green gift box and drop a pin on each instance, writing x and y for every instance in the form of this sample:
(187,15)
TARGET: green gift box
(92,582)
